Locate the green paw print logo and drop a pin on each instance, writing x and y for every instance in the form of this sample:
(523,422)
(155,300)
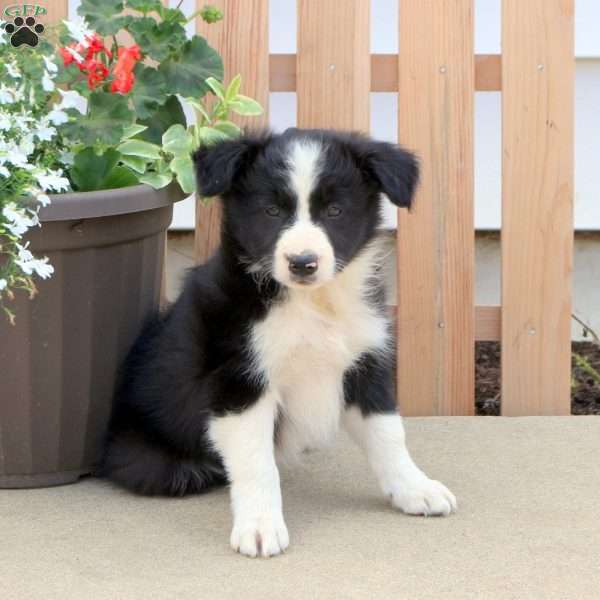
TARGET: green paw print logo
(24,31)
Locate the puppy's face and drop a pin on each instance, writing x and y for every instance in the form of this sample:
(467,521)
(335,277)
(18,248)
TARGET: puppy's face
(301,205)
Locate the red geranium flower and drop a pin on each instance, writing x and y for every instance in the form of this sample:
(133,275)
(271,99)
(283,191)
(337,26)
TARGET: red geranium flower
(123,70)
(68,57)
(97,72)
(96,45)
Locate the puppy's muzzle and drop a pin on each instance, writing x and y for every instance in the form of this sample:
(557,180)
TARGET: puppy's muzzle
(303,265)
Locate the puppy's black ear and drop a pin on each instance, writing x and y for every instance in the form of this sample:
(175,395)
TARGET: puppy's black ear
(218,165)
(394,170)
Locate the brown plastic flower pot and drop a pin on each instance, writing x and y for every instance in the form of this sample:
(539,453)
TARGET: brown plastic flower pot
(58,363)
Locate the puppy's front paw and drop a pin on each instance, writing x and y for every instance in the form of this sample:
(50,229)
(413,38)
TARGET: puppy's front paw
(264,536)
(424,496)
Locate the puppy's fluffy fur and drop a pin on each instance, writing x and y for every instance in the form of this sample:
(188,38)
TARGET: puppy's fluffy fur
(281,336)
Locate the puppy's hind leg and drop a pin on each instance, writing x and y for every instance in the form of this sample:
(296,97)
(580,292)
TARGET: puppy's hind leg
(148,469)
(245,442)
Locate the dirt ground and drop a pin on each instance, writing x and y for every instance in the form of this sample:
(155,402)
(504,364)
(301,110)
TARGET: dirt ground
(585,391)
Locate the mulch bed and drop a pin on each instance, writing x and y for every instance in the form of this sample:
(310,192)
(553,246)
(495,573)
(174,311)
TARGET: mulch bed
(585,392)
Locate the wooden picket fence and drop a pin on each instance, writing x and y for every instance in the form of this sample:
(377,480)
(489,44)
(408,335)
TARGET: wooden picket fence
(436,74)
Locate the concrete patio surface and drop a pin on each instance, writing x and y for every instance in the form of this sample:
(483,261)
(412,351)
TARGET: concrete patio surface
(528,526)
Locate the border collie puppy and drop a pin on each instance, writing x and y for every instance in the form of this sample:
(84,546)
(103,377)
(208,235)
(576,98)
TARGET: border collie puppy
(278,339)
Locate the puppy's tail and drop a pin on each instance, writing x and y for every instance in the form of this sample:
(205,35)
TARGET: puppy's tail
(145,469)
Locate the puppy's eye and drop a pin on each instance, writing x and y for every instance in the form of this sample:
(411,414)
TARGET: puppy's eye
(273,211)
(333,211)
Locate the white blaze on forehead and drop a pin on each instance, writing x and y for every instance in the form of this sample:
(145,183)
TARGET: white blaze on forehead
(304,162)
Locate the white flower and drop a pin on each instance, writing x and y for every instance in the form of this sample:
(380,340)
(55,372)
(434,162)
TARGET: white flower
(7,95)
(26,147)
(72,99)
(50,65)
(18,220)
(3,284)
(42,268)
(47,82)
(5,122)
(38,265)
(13,71)
(4,171)
(28,264)
(22,122)
(24,254)
(56,117)
(43,199)
(15,156)
(44,132)
(11,212)
(66,157)
(52,180)
(79,31)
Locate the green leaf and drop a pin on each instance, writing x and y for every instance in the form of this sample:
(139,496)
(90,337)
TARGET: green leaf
(211,14)
(68,74)
(183,168)
(245,106)
(104,17)
(230,129)
(157,39)
(187,73)
(144,6)
(174,15)
(197,104)
(136,163)
(156,180)
(216,87)
(178,141)
(210,135)
(89,169)
(132,130)
(149,90)
(162,167)
(139,148)
(165,116)
(233,88)
(92,171)
(120,177)
(108,115)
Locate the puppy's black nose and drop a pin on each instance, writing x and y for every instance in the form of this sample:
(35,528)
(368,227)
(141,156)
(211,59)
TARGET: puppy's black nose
(303,264)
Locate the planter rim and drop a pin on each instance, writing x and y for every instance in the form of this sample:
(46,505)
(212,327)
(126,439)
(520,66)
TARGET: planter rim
(105,203)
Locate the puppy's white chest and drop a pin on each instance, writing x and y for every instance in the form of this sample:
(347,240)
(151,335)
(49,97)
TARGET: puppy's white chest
(318,334)
(303,347)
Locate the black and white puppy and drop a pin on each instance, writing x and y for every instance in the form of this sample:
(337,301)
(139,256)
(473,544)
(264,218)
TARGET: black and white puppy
(281,336)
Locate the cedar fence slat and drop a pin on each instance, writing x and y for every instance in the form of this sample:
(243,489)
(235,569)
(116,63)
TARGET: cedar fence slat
(436,240)
(242,39)
(57,10)
(537,205)
(333,69)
